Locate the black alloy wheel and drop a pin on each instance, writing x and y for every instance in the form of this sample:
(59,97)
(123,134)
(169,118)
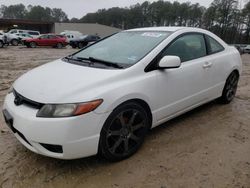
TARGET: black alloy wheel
(230,88)
(124,131)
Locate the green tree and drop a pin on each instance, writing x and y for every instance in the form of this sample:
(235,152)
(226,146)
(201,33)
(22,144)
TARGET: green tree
(39,13)
(13,11)
(246,21)
(58,15)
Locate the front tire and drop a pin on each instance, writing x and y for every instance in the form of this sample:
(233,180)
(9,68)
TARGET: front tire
(230,88)
(14,42)
(123,132)
(32,45)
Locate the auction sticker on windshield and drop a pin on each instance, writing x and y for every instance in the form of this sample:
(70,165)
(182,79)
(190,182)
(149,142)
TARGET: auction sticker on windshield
(153,34)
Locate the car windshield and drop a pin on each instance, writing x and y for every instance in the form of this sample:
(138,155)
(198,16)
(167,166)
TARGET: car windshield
(124,48)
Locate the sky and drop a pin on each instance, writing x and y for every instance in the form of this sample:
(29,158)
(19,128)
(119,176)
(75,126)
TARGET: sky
(78,8)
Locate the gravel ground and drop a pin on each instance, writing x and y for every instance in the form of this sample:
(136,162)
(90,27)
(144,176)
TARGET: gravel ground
(207,147)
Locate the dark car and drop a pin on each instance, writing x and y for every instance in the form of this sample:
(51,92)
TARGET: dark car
(46,40)
(83,41)
(240,48)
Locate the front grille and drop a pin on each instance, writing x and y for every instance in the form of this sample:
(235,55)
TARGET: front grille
(19,100)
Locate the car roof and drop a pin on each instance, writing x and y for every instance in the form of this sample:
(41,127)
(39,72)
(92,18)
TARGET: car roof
(168,29)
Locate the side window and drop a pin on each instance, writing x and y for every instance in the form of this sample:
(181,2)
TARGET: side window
(52,37)
(188,47)
(213,45)
(44,37)
(13,32)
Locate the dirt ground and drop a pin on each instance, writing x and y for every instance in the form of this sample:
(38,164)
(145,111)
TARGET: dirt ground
(208,147)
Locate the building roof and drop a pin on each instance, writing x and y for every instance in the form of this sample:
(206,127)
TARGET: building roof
(23,21)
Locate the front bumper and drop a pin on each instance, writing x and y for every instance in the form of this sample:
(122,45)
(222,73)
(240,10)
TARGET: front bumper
(78,136)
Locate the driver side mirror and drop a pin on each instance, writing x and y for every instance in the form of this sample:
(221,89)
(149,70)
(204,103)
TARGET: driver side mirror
(169,62)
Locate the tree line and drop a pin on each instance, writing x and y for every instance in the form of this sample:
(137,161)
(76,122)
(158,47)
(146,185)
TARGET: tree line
(223,17)
(19,11)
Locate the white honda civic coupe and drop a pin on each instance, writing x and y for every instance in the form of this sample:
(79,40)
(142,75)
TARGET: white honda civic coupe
(105,98)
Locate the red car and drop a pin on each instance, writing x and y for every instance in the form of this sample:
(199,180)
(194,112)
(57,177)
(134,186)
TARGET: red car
(53,40)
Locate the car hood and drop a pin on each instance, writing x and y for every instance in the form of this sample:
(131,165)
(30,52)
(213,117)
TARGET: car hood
(62,82)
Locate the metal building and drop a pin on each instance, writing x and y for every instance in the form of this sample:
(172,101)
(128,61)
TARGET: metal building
(86,28)
(51,27)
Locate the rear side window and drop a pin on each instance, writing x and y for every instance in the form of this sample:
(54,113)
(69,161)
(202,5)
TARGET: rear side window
(213,45)
(188,47)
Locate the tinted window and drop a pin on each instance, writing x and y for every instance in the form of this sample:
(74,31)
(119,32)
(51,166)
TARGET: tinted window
(20,31)
(33,33)
(213,45)
(188,47)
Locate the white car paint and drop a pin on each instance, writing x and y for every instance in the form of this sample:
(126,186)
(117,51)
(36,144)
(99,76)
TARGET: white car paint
(168,93)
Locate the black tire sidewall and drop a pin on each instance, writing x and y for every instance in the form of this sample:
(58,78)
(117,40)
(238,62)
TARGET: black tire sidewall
(14,41)
(1,44)
(224,99)
(32,45)
(80,45)
(59,45)
(103,148)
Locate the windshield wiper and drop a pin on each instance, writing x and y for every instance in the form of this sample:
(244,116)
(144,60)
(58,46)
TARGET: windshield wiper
(92,60)
(80,59)
(107,63)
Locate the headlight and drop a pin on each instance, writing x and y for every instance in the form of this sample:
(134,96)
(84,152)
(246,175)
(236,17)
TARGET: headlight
(68,110)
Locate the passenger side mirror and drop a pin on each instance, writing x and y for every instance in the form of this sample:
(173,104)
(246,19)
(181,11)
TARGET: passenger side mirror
(169,62)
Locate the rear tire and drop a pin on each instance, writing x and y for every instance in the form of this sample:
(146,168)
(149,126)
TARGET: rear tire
(230,88)
(59,45)
(123,132)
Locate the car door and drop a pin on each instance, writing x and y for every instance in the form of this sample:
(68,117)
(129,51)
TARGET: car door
(182,88)
(219,66)
(52,40)
(42,40)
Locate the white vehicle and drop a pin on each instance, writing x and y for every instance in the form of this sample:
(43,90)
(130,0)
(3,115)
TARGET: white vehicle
(12,35)
(71,34)
(104,98)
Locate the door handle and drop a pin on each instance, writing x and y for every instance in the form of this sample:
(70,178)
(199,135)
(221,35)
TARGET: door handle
(207,65)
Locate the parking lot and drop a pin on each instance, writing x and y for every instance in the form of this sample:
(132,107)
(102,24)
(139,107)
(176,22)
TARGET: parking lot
(207,147)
